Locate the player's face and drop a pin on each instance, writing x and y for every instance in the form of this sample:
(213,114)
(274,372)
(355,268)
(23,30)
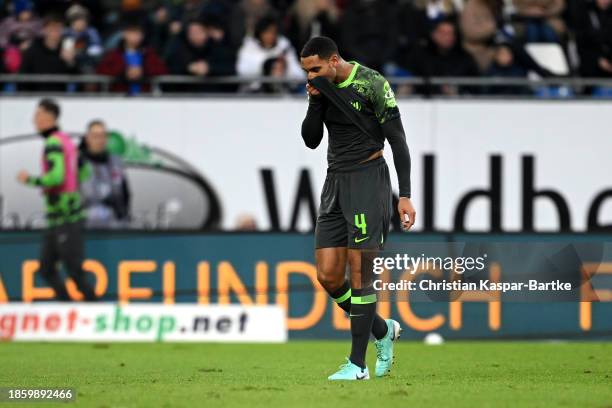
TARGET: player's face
(96,139)
(314,66)
(43,120)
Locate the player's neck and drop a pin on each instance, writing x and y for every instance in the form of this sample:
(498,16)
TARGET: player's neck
(49,131)
(343,72)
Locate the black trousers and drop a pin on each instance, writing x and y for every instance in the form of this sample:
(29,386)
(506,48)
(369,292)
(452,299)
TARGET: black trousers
(64,243)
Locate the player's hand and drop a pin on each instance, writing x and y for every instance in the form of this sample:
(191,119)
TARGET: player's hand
(406,212)
(23,176)
(312,91)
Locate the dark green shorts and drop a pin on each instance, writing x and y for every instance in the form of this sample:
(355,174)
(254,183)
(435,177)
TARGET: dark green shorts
(355,209)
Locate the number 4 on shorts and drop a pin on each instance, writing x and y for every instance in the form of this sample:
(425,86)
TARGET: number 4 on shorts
(360,222)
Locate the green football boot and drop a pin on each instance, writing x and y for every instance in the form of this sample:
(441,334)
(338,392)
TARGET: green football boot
(384,348)
(350,371)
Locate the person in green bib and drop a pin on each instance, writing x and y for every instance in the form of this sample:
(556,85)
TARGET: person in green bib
(62,171)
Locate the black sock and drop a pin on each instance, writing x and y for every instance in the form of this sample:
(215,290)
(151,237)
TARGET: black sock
(363,310)
(379,327)
(342,297)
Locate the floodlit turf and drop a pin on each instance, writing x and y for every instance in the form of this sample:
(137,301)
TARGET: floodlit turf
(469,374)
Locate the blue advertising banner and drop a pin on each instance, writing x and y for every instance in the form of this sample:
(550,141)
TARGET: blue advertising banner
(271,268)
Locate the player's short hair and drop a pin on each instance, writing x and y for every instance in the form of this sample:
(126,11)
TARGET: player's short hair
(96,122)
(50,106)
(324,47)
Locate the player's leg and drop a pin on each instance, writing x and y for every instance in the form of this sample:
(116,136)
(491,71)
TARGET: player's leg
(331,266)
(370,202)
(364,303)
(384,344)
(49,256)
(331,241)
(363,308)
(71,249)
(330,244)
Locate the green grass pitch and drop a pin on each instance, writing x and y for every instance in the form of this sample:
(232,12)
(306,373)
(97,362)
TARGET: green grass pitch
(456,374)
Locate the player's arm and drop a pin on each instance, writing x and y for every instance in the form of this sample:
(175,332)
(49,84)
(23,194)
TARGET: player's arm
(394,133)
(388,116)
(55,174)
(312,126)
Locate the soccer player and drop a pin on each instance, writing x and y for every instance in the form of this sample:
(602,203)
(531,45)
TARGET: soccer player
(358,107)
(62,172)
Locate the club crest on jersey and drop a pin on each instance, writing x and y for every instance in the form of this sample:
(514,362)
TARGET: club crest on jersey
(356,105)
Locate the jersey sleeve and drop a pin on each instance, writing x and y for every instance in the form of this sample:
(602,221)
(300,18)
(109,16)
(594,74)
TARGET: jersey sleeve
(383,100)
(54,157)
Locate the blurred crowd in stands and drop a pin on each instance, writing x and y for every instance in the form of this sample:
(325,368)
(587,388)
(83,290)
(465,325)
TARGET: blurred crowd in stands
(135,40)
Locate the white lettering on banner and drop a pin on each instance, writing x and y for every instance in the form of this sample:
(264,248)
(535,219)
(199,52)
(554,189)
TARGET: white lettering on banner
(141,322)
(489,165)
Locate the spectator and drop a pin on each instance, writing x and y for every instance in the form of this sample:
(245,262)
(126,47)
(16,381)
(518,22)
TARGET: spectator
(188,10)
(539,20)
(106,195)
(203,52)
(169,19)
(436,9)
(132,64)
(22,24)
(442,57)
(244,17)
(593,22)
(83,38)
(158,28)
(368,32)
(512,61)
(478,24)
(130,6)
(413,28)
(268,53)
(16,34)
(311,18)
(283,6)
(47,56)
(12,55)
(246,222)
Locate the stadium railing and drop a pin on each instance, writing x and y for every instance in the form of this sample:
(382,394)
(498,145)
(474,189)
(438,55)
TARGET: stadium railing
(558,87)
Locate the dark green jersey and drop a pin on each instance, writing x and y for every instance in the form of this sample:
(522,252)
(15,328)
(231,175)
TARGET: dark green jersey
(359,113)
(370,95)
